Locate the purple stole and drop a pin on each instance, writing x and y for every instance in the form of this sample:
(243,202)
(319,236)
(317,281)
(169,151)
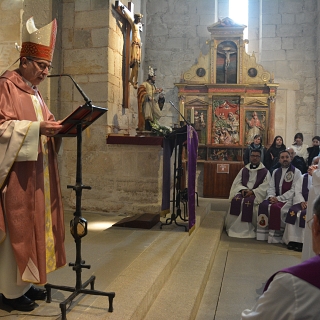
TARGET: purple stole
(246,204)
(308,271)
(292,213)
(275,208)
(286,186)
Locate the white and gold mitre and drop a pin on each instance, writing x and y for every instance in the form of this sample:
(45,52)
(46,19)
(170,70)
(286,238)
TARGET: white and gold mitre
(39,43)
(151,72)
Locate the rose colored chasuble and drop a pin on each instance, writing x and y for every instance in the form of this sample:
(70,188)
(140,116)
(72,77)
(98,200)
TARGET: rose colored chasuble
(275,208)
(239,203)
(31,199)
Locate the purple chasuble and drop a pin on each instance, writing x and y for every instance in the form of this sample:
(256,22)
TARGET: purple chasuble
(239,203)
(308,271)
(292,212)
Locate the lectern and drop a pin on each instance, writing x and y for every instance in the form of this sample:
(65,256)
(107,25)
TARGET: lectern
(73,126)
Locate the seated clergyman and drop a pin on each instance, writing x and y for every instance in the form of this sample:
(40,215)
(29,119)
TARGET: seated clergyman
(294,292)
(296,215)
(273,211)
(248,190)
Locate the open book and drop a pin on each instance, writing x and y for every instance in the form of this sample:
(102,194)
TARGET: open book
(85,115)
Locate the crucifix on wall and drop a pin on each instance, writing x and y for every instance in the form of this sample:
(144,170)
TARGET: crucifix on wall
(133,49)
(227,62)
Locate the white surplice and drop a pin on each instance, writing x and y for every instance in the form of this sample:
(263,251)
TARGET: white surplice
(314,192)
(234,226)
(293,232)
(287,298)
(275,236)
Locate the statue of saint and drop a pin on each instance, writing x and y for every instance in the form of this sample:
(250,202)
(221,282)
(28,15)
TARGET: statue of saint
(150,102)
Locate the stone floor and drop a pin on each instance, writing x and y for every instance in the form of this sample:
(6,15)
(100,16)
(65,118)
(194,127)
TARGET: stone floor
(144,266)
(239,273)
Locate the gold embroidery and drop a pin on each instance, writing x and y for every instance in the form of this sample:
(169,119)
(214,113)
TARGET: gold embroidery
(50,251)
(248,204)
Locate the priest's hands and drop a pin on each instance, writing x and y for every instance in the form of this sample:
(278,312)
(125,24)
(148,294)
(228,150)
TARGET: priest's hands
(311,169)
(304,205)
(50,128)
(247,193)
(273,200)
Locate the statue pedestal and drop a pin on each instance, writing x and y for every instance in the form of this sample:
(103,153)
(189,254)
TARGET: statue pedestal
(134,166)
(145,133)
(149,139)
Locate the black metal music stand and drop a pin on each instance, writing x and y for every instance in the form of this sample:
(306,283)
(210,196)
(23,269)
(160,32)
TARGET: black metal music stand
(179,136)
(73,126)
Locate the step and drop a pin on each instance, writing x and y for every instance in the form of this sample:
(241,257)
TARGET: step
(139,285)
(180,297)
(133,263)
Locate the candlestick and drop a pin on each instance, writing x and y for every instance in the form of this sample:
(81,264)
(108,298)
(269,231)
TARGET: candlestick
(182,110)
(192,115)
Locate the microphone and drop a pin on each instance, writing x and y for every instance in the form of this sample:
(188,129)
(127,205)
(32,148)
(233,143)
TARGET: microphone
(86,99)
(187,122)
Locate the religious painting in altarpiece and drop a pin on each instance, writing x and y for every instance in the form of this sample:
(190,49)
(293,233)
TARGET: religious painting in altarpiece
(255,124)
(225,124)
(200,121)
(255,120)
(226,64)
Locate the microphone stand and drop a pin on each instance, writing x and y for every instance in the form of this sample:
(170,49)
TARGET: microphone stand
(182,116)
(78,228)
(86,99)
(178,173)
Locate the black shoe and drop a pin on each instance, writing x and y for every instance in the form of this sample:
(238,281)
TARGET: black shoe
(298,247)
(291,245)
(36,294)
(22,303)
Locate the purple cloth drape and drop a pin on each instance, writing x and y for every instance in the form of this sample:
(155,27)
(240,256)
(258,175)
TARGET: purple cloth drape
(192,147)
(166,176)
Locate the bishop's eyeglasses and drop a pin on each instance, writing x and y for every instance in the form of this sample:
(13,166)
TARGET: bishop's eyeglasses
(42,65)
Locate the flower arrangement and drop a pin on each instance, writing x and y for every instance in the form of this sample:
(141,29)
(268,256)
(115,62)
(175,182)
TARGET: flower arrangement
(159,129)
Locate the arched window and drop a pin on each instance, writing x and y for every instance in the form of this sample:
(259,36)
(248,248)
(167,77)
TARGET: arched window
(238,12)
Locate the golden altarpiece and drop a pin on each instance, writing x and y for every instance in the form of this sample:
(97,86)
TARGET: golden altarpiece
(229,98)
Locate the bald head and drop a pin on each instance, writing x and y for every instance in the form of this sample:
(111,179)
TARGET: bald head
(315,160)
(291,152)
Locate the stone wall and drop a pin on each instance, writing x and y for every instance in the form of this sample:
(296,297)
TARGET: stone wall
(10,16)
(288,47)
(123,178)
(317,67)
(176,35)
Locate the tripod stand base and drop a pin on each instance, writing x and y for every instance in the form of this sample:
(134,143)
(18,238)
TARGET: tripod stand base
(76,292)
(173,218)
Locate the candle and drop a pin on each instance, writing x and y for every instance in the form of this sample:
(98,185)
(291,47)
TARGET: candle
(182,110)
(192,115)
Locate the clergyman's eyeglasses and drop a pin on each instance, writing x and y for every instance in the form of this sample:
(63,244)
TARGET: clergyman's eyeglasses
(42,65)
